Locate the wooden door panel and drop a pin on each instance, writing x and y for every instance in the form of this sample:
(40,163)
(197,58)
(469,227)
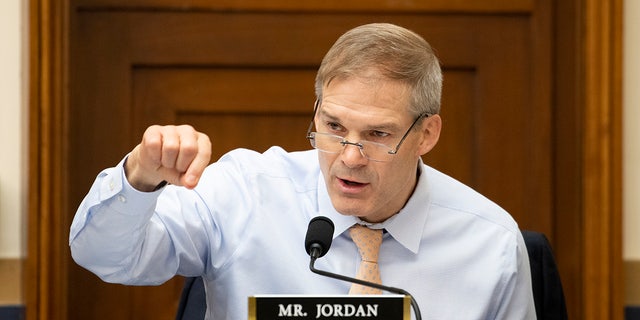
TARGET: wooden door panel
(236,107)
(246,79)
(455,150)
(222,88)
(252,131)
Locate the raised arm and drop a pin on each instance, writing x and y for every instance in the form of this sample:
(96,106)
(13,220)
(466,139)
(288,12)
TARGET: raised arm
(118,232)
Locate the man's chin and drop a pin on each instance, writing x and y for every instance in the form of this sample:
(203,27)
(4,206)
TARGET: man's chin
(351,213)
(351,206)
(352,209)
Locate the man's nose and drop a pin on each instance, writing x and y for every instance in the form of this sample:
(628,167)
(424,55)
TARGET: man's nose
(353,155)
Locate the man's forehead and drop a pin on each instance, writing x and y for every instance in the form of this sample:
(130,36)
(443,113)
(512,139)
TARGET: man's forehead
(346,116)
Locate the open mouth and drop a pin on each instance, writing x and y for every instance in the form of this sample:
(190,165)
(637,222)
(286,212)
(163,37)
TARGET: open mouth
(351,183)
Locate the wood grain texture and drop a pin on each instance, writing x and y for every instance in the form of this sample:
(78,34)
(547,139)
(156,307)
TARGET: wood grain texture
(531,108)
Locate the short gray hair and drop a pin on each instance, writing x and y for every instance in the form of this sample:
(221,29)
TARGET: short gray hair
(396,53)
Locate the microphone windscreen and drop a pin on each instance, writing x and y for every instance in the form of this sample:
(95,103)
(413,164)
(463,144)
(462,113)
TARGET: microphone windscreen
(320,232)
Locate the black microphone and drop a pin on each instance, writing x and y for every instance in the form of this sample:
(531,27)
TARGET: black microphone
(319,236)
(318,241)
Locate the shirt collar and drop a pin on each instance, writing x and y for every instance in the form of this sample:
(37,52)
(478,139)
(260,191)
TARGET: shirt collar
(406,226)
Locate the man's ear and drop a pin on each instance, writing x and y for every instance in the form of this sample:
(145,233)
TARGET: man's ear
(430,130)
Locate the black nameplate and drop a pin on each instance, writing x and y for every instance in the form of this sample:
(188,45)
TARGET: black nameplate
(302,307)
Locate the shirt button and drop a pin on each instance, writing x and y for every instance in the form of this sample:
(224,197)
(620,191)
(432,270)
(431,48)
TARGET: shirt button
(122,198)
(111,185)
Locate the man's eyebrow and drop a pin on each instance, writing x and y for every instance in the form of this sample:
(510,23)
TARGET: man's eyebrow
(389,126)
(325,114)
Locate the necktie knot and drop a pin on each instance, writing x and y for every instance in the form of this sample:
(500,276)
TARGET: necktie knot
(368,242)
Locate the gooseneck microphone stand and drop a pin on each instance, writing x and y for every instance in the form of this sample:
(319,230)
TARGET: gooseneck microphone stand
(316,252)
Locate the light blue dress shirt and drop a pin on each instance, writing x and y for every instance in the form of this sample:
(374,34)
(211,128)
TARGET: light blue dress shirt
(243,227)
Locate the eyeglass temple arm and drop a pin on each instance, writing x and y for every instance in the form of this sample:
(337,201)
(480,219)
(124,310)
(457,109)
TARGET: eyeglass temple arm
(315,109)
(423,115)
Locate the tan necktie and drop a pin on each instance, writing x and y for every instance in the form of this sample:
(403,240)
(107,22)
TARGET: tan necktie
(368,242)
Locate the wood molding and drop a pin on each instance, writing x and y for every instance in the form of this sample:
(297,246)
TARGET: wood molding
(45,270)
(448,6)
(602,160)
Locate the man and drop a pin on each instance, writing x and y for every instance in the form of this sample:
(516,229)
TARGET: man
(240,222)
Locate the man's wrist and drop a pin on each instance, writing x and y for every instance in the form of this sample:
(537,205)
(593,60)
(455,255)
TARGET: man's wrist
(136,180)
(160,185)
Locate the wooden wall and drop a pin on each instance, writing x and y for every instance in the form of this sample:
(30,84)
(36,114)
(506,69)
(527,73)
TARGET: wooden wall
(524,113)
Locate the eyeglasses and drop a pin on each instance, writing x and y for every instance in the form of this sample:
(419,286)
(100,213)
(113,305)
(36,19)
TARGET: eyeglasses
(331,143)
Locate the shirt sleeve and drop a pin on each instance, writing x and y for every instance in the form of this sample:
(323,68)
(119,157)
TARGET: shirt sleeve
(117,235)
(517,302)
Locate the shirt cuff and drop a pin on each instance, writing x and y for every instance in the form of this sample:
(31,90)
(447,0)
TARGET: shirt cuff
(126,199)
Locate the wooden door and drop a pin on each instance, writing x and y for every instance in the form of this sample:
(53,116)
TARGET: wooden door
(243,73)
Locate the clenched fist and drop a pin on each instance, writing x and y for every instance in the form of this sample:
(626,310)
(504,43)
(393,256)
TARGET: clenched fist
(175,154)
